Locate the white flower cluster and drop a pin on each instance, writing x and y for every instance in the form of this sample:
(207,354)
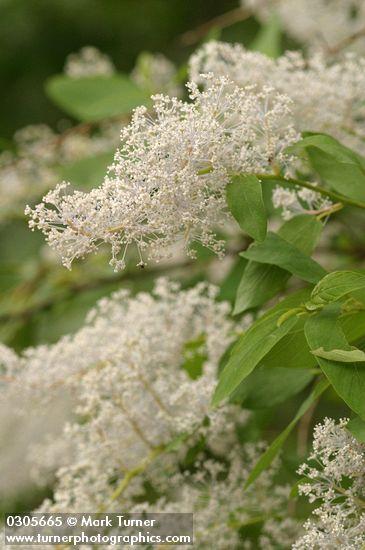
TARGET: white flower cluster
(23,426)
(213,490)
(168,179)
(124,373)
(89,61)
(40,152)
(324,24)
(210,486)
(130,396)
(41,143)
(326,96)
(154,73)
(336,480)
(298,201)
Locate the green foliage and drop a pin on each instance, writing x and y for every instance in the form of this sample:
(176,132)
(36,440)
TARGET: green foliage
(229,285)
(195,355)
(357,427)
(38,35)
(339,166)
(353,355)
(269,39)
(264,386)
(277,251)
(261,344)
(323,330)
(94,98)
(249,350)
(244,198)
(260,282)
(288,337)
(266,459)
(292,351)
(333,287)
(18,245)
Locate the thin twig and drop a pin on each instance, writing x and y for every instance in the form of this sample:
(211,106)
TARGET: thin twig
(79,287)
(307,185)
(224,20)
(345,42)
(303,430)
(75,288)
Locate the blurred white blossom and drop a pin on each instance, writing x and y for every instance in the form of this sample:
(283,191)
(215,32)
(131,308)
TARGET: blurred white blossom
(89,61)
(327,96)
(154,73)
(298,201)
(323,24)
(214,492)
(41,153)
(129,398)
(123,375)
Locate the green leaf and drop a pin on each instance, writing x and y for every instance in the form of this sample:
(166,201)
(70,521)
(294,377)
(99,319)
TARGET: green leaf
(195,355)
(344,177)
(323,330)
(341,168)
(268,41)
(292,351)
(244,199)
(291,301)
(355,355)
(266,387)
(229,285)
(277,251)
(302,231)
(353,326)
(249,350)
(87,172)
(333,287)
(225,357)
(260,282)
(357,427)
(94,98)
(330,145)
(269,455)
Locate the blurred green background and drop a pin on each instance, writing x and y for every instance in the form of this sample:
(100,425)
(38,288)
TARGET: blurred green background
(37,35)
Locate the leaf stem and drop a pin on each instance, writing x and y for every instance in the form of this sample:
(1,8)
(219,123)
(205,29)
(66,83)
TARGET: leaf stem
(325,192)
(325,212)
(344,43)
(220,21)
(131,474)
(358,501)
(336,197)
